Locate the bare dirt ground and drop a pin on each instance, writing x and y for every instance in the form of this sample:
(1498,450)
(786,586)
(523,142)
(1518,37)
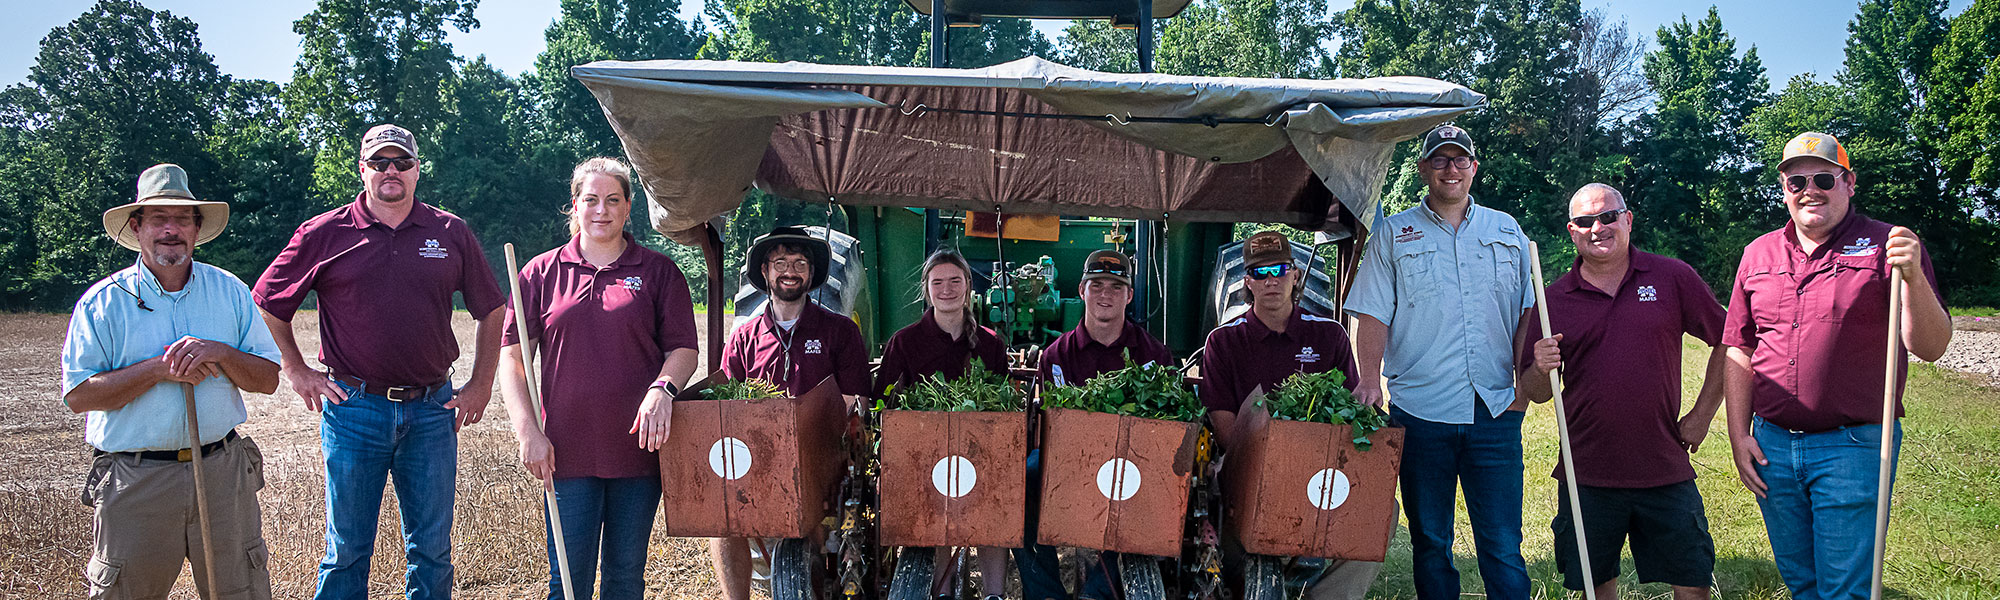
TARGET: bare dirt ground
(499,548)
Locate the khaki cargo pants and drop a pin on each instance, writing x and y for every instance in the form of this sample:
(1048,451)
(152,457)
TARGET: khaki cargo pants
(146,525)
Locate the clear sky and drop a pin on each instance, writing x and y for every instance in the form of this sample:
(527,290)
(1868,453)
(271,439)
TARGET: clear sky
(254,39)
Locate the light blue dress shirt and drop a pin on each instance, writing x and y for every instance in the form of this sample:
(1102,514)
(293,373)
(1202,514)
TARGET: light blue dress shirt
(108,331)
(1452,300)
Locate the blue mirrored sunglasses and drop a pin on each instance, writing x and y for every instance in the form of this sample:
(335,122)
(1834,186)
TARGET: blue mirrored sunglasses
(1269,271)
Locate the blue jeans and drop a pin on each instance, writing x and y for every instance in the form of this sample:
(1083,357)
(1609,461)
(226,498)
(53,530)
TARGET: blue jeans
(620,513)
(1036,564)
(366,440)
(1485,457)
(1820,508)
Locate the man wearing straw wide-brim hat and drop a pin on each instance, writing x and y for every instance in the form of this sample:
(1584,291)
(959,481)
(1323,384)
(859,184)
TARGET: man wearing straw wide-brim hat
(135,339)
(1807,383)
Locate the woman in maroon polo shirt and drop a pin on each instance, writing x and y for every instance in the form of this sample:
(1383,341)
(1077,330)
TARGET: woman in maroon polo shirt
(944,343)
(616,332)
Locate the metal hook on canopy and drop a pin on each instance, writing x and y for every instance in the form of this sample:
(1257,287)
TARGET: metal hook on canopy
(908,110)
(1115,120)
(1276,117)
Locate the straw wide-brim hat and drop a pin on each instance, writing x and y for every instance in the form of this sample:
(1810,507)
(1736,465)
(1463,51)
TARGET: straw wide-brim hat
(165,185)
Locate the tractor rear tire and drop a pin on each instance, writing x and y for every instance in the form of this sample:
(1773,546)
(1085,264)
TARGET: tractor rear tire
(1264,578)
(1141,577)
(912,580)
(791,571)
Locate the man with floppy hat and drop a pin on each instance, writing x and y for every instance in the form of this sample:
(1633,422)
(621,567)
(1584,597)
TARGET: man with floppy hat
(385,268)
(1101,343)
(134,338)
(1258,350)
(1437,303)
(1808,316)
(795,344)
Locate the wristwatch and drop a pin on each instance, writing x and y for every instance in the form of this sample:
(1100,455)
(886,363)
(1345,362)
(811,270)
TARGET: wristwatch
(673,391)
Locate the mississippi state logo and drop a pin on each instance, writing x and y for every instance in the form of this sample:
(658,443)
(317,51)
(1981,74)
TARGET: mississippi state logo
(1648,294)
(1307,355)
(1408,234)
(431,249)
(812,347)
(1860,247)
(633,283)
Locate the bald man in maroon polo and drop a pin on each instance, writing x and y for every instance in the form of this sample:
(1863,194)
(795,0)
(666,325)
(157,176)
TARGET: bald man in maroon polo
(1618,317)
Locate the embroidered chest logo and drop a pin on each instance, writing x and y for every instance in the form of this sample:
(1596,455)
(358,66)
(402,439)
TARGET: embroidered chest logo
(432,249)
(1307,355)
(1860,247)
(1648,294)
(812,347)
(1408,234)
(633,283)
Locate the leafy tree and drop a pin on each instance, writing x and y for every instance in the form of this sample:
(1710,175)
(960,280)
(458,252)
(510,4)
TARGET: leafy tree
(1962,109)
(481,171)
(850,32)
(362,63)
(263,172)
(593,30)
(1695,187)
(115,91)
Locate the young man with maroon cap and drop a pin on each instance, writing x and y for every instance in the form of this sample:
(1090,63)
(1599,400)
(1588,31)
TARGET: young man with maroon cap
(1807,318)
(1258,350)
(1101,343)
(385,268)
(795,343)
(1618,317)
(1437,304)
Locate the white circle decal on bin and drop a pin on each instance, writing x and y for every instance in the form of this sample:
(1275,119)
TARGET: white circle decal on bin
(954,476)
(1327,489)
(1118,479)
(730,458)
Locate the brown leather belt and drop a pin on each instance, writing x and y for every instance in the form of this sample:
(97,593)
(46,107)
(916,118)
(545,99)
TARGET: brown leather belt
(395,393)
(182,455)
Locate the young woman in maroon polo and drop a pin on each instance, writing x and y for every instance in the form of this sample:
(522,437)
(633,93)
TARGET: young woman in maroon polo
(611,318)
(944,344)
(947,339)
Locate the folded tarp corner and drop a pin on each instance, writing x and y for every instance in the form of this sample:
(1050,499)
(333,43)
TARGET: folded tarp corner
(701,133)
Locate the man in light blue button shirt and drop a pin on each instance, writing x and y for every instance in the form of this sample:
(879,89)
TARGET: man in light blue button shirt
(134,338)
(1441,290)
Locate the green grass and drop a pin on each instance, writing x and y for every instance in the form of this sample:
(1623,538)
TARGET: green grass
(1975,311)
(1944,538)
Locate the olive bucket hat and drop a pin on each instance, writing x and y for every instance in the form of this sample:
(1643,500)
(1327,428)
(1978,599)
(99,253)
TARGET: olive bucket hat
(165,185)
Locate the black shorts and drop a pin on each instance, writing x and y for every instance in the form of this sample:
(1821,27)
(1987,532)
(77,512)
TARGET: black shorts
(1669,531)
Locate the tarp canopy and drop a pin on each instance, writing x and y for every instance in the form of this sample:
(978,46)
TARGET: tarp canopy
(1028,136)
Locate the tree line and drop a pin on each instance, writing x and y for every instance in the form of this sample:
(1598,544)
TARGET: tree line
(1686,124)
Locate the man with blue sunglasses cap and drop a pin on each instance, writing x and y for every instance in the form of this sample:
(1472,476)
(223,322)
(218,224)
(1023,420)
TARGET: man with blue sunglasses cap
(1437,303)
(1276,339)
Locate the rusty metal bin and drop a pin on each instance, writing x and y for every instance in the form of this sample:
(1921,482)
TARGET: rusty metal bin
(752,468)
(1112,482)
(1294,488)
(953,478)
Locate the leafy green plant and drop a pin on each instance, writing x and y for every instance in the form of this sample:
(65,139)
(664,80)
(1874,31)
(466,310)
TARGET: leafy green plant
(1149,391)
(748,389)
(1323,398)
(978,390)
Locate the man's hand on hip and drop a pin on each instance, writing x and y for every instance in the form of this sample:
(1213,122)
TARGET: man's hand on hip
(313,386)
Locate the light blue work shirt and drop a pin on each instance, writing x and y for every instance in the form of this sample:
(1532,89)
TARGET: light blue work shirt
(1452,300)
(108,331)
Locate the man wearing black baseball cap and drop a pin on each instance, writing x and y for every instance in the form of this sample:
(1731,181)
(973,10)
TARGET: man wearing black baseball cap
(1437,302)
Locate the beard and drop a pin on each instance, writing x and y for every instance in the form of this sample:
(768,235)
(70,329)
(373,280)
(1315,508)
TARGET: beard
(171,256)
(788,294)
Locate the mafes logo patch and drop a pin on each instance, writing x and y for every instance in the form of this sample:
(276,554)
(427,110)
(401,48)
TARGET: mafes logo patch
(812,347)
(1860,247)
(431,249)
(633,283)
(1648,294)
(1307,355)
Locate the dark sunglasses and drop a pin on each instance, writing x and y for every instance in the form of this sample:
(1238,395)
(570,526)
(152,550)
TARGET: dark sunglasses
(1437,163)
(1606,218)
(1269,271)
(1823,181)
(382,164)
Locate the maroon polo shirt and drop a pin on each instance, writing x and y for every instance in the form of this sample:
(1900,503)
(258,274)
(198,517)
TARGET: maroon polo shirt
(1621,373)
(1815,325)
(604,333)
(820,344)
(384,294)
(922,349)
(1243,354)
(1080,358)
